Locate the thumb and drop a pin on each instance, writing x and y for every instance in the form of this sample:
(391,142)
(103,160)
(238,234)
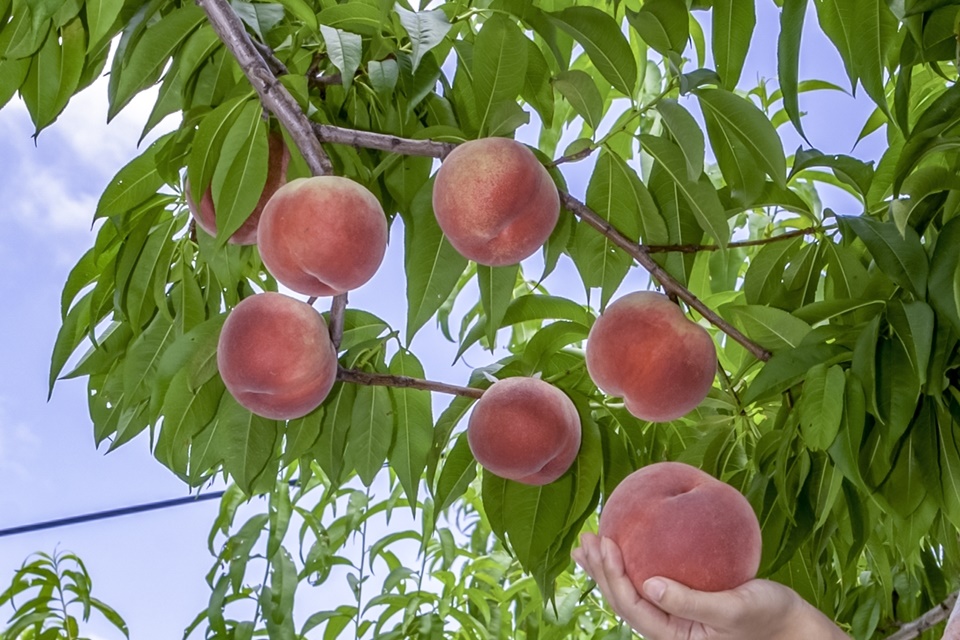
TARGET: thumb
(712,609)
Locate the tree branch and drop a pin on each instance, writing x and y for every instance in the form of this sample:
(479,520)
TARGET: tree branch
(337,308)
(274,95)
(930,619)
(382,142)
(405,382)
(696,248)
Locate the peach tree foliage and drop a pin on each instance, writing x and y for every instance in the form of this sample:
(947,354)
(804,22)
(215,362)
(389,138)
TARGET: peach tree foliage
(838,422)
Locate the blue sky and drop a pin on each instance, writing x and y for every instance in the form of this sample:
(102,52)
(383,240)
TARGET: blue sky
(150,567)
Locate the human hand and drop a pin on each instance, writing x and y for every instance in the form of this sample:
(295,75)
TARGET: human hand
(757,610)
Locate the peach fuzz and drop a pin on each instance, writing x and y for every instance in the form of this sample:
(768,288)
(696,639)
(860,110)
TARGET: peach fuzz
(494,201)
(673,520)
(206,216)
(275,356)
(524,429)
(323,236)
(643,349)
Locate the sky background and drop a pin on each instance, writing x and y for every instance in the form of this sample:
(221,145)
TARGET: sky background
(151,566)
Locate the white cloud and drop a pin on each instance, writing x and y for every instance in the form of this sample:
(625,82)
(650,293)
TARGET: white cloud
(19,446)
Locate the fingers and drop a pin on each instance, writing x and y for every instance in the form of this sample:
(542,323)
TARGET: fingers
(602,560)
(718,609)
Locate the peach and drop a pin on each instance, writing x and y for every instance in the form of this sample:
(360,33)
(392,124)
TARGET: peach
(524,429)
(322,236)
(206,216)
(494,201)
(673,520)
(275,356)
(643,349)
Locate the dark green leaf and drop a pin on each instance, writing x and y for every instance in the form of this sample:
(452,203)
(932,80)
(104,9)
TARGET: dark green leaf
(821,406)
(788,57)
(459,469)
(944,284)
(241,171)
(371,433)
(133,184)
(601,38)
(874,31)
(414,420)
(499,66)
(902,258)
(581,92)
(686,133)
(733,24)
(251,445)
(787,368)
(770,327)
(662,24)
(496,294)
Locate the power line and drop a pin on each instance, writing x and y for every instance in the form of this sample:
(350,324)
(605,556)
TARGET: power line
(110,513)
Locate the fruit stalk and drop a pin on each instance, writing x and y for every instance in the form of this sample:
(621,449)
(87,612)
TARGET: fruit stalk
(405,382)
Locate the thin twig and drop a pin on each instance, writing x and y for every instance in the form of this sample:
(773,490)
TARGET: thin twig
(337,308)
(573,157)
(274,95)
(405,382)
(930,619)
(325,79)
(277,67)
(696,248)
(383,142)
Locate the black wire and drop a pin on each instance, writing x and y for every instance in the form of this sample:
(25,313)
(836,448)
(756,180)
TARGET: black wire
(111,513)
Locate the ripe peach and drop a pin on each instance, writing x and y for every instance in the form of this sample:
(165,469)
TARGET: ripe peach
(644,349)
(673,520)
(524,429)
(494,201)
(206,217)
(323,236)
(275,356)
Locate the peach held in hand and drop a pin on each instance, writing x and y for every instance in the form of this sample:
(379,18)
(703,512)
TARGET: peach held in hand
(323,236)
(673,520)
(494,201)
(643,349)
(206,216)
(275,356)
(524,429)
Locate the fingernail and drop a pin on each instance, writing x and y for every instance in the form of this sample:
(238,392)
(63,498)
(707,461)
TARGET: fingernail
(654,588)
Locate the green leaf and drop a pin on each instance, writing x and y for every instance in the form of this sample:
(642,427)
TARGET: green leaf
(901,258)
(537,89)
(913,324)
(459,470)
(615,193)
(356,17)
(241,171)
(601,38)
(383,76)
(856,173)
(151,53)
(370,436)
(186,411)
(751,126)
(770,327)
(345,50)
(303,12)
(733,24)
(337,420)
(874,32)
(426,29)
(431,264)
(208,142)
(76,324)
(686,133)
(133,184)
(54,75)
(839,21)
(944,284)
(662,24)
(251,444)
(414,425)
(788,57)
(700,196)
(581,92)
(898,388)
(499,66)
(496,294)
(845,450)
(821,406)
(13,71)
(743,175)
(261,18)
(787,368)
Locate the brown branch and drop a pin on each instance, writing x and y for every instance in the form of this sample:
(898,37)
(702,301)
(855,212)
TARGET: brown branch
(405,382)
(337,308)
(696,248)
(325,80)
(930,619)
(383,142)
(274,95)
